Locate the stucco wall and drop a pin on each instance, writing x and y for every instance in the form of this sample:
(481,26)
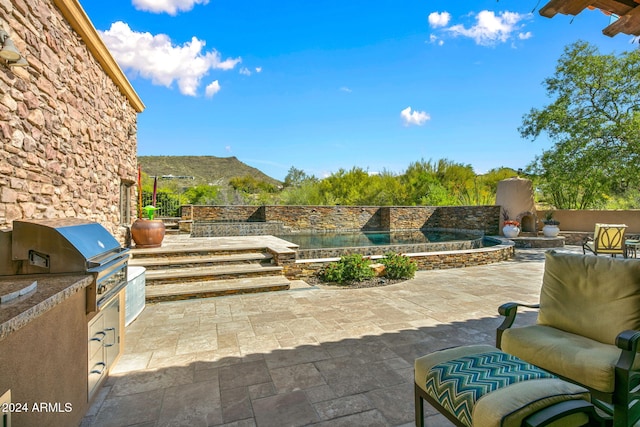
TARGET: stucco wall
(67,132)
(585,220)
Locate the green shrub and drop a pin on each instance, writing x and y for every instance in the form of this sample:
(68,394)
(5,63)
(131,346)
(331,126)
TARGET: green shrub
(334,272)
(350,268)
(398,266)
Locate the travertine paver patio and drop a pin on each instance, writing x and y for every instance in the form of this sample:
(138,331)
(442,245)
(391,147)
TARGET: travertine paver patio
(308,356)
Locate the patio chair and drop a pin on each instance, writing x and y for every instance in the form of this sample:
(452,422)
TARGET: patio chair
(607,239)
(587,330)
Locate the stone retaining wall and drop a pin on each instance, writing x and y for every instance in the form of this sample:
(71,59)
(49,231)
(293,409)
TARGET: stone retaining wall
(575,237)
(347,218)
(505,250)
(67,132)
(381,249)
(236,228)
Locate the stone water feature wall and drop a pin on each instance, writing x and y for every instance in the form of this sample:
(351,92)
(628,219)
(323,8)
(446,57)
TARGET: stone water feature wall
(484,219)
(67,129)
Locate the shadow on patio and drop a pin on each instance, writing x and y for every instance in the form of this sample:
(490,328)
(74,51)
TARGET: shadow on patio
(366,381)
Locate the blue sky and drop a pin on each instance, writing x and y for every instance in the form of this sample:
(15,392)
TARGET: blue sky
(329,84)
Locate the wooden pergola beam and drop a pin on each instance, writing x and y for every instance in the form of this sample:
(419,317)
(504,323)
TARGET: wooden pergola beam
(626,24)
(566,7)
(627,11)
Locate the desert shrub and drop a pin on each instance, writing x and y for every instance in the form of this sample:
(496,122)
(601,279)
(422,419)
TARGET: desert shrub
(350,268)
(398,266)
(334,272)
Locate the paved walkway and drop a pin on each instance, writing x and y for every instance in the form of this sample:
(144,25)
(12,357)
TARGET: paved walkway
(309,356)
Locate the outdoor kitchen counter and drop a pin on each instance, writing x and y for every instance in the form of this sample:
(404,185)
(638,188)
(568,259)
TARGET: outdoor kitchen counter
(51,290)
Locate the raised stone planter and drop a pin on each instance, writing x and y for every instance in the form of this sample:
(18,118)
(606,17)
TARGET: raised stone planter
(538,242)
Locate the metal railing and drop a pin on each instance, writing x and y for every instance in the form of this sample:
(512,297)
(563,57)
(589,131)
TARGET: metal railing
(168,205)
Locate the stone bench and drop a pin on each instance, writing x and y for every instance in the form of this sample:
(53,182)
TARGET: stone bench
(481,386)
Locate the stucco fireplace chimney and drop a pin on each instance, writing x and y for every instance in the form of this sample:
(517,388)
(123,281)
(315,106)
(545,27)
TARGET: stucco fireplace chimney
(515,196)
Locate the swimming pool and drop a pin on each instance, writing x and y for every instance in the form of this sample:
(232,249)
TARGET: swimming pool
(336,244)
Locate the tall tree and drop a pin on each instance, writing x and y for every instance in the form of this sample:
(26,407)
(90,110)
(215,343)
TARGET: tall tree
(594,123)
(295,177)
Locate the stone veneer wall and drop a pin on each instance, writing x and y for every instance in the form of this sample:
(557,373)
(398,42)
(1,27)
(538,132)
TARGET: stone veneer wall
(67,133)
(236,228)
(328,218)
(456,245)
(505,250)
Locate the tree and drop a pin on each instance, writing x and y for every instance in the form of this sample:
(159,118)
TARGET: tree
(438,183)
(295,177)
(250,184)
(202,195)
(594,123)
(308,193)
(346,187)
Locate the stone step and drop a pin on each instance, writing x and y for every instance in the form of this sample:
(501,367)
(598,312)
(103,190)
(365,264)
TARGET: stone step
(186,267)
(183,251)
(181,261)
(217,288)
(196,274)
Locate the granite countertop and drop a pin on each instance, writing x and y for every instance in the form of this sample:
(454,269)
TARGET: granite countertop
(50,291)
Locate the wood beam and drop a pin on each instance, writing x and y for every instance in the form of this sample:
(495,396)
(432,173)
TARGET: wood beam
(614,6)
(550,9)
(628,12)
(627,24)
(574,7)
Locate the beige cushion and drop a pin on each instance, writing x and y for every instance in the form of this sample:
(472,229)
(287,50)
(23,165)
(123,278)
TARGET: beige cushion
(508,406)
(572,356)
(596,297)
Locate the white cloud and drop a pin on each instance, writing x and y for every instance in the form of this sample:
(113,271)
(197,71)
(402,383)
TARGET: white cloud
(490,29)
(172,7)
(212,89)
(414,117)
(433,39)
(155,57)
(525,36)
(439,19)
(345,89)
(247,72)
(227,148)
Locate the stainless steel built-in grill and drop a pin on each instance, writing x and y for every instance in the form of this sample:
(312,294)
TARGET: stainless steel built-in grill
(72,245)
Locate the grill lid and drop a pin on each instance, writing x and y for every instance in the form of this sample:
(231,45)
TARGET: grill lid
(90,239)
(73,244)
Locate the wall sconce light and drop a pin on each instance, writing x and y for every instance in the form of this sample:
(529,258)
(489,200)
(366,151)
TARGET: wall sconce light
(9,52)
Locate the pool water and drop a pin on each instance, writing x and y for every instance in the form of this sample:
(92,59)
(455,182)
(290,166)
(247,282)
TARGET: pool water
(359,239)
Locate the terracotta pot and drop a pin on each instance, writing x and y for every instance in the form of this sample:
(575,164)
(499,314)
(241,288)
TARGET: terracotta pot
(148,233)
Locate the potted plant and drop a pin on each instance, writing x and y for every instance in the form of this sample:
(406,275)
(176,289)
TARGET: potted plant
(146,231)
(510,228)
(550,228)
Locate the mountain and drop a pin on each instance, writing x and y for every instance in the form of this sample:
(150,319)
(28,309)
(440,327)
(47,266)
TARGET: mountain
(203,169)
